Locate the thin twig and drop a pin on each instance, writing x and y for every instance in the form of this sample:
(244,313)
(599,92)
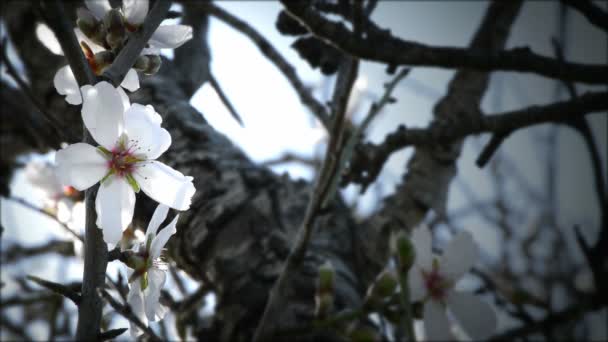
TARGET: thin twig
(57,288)
(274,56)
(218,90)
(29,205)
(127,313)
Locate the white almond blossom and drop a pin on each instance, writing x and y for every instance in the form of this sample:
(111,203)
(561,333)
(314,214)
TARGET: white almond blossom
(130,141)
(135,11)
(432,279)
(149,276)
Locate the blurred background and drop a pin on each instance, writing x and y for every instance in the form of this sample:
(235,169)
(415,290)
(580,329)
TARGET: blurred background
(521,208)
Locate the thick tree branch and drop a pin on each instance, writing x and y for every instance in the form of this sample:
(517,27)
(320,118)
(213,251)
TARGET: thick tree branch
(380,46)
(593,13)
(370,159)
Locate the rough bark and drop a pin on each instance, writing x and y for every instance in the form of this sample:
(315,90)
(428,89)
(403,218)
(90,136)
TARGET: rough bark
(243,217)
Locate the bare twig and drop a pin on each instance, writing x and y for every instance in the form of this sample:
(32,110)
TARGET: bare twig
(57,288)
(274,56)
(218,90)
(16,252)
(593,13)
(127,313)
(380,46)
(29,205)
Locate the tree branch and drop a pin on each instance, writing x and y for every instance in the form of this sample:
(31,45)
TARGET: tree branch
(127,313)
(380,46)
(593,13)
(115,74)
(274,56)
(371,158)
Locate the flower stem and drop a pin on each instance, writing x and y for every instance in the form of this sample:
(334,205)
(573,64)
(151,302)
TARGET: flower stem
(407,320)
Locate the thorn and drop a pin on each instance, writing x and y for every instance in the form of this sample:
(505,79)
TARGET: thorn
(225,101)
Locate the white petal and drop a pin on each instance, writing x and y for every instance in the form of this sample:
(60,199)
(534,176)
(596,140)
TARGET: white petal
(477,317)
(131,81)
(65,84)
(142,125)
(436,324)
(164,184)
(161,239)
(156,280)
(157,218)
(126,103)
(47,37)
(98,7)
(114,204)
(103,113)
(458,257)
(170,36)
(135,11)
(80,165)
(81,37)
(150,51)
(135,299)
(416,284)
(421,239)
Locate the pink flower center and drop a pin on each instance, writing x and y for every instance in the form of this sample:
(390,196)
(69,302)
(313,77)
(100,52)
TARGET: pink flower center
(123,159)
(435,284)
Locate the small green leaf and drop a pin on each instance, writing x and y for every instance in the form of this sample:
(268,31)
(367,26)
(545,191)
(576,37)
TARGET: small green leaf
(133,183)
(144,281)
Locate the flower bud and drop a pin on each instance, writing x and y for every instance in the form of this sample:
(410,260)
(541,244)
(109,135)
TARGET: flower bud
(154,65)
(404,250)
(114,22)
(383,287)
(142,63)
(103,59)
(326,278)
(86,22)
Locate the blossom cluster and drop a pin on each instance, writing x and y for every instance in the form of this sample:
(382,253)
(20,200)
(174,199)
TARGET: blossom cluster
(128,141)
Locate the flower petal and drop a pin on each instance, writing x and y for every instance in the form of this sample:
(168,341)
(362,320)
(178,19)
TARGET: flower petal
(47,37)
(416,284)
(135,11)
(161,239)
(164,184)
(81,37)
(126,103)
(98,7)
(421,239)
(114,204)
(170,36)
(142,125)
(458,257)
(131,81)
(156,280)
(80,165)
(135,299)
(65,84)
(476,317)
(103,113)
(436,324)
(157,218)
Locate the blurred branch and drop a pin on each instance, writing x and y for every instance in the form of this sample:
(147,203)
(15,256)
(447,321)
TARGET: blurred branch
(16,252)
(593,13)
(218,90)
(28,205)
(380,46)
(57,288)
(127,313)
(274,56)
(278,296)
(371,158)
(65,135)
